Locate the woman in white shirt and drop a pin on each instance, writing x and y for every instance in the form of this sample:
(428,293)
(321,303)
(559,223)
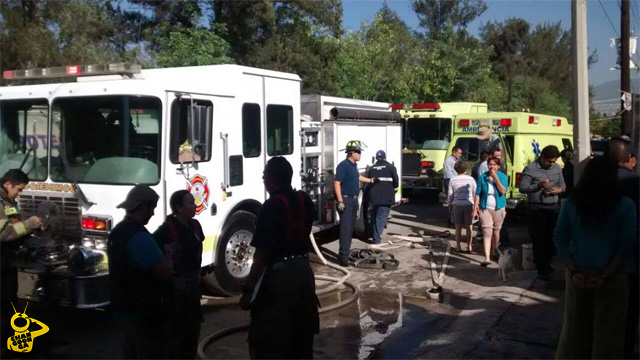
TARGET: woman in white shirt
(462,189)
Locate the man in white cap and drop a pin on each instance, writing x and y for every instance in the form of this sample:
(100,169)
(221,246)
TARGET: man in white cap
(488,140)
(139,278)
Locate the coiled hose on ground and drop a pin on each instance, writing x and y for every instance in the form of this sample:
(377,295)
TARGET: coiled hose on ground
(243,327)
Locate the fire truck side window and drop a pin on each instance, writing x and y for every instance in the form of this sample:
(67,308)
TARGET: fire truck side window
(251,139)
(180,120)
(469,148)
(279,130)
(24,139)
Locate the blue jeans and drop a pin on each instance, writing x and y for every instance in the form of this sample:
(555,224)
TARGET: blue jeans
(379,217)
(347,225)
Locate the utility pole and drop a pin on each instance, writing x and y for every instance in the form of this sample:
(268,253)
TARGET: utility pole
(581,144)
(625,81)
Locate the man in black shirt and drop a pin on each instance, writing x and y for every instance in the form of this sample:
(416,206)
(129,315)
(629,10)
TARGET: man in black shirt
(280,289)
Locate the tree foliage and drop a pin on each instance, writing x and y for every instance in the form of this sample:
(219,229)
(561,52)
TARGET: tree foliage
(193,47)
(437,15)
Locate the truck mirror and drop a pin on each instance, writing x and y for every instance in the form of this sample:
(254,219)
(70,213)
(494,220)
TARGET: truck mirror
(199,129)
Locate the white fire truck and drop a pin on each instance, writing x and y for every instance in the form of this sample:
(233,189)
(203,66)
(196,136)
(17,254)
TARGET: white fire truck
(208,129)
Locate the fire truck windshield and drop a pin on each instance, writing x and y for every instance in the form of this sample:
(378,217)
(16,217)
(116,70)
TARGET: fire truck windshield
(428,133)
(23,136)
(100,145)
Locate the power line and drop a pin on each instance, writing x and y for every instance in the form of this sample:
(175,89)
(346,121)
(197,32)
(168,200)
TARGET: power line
(613,26)
(610,22)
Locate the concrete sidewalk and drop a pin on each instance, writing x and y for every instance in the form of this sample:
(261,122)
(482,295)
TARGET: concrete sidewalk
(478,316)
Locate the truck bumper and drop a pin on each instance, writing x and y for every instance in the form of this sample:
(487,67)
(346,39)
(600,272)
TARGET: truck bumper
(63,288)
(418,182)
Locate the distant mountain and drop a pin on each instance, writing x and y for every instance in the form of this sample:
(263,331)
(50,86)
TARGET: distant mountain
(609,90)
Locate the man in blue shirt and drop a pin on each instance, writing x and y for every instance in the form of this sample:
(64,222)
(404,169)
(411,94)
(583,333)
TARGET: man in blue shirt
(347,188)
(139,278)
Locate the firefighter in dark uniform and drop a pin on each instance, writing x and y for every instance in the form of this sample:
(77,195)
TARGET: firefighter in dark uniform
(139,278)
(382,194)
(180,237)
(347,188)
(13,231)
(280,289)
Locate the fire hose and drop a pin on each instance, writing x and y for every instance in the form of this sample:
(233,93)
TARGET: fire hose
(209,339)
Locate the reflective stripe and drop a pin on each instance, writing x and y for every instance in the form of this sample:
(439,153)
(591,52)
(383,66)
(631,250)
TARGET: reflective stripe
(20,229)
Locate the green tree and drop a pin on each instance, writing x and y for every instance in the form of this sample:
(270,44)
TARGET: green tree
(54,33)
(156,20)
(380,61)
(436,15)
(508,40)
(193,47)
(299,36)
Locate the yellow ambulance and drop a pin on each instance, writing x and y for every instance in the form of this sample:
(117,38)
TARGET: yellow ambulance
(427,133)
(522,136)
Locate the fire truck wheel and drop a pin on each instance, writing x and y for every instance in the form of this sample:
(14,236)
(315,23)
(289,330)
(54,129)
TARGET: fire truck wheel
(363,229)
(234,255)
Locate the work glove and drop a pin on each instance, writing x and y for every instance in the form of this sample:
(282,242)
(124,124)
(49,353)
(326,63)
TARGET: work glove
(341,207)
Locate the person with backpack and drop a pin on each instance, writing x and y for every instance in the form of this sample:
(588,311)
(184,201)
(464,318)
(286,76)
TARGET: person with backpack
(180,237)
(280,290)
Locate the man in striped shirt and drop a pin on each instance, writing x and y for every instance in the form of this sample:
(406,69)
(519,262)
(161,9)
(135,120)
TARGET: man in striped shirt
(462,190)
(449,173)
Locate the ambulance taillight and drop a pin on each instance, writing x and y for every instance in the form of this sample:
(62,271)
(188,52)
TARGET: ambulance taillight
(518,178)
(505,122)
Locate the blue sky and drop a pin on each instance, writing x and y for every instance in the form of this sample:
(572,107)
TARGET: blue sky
(599,29)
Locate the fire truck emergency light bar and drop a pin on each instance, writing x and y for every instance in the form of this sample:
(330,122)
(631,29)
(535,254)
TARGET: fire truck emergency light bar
(416,106)
(72,71)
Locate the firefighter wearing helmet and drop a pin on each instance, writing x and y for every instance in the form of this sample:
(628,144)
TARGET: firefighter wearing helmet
(347,188)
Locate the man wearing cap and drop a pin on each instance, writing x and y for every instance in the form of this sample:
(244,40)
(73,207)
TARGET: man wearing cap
(347,188)
(488,140)
(382,193)
(139,277)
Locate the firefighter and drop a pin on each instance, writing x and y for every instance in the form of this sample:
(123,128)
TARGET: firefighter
(12,233)
(139,278)
(280,289)
(382,194)
(347,188)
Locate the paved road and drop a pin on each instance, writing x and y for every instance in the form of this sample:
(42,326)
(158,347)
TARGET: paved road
(478,316)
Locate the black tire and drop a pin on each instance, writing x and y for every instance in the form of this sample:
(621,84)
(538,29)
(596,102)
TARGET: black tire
(363,229)
(239,230)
